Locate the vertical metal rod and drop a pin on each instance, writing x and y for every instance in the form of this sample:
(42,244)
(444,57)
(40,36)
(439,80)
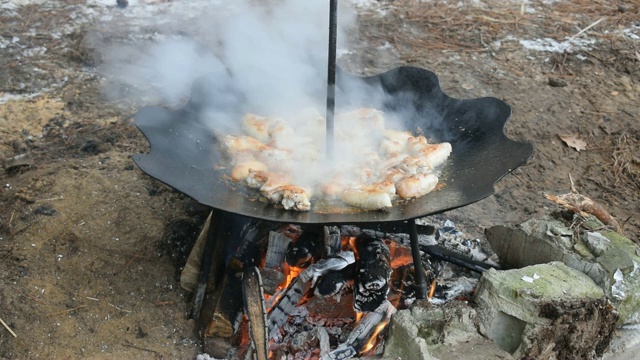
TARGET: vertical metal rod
(421,280)
(331,75)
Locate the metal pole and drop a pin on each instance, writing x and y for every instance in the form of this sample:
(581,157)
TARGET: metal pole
(421,280)
(331,75)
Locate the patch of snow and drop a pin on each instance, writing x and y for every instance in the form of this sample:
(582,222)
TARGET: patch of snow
(551,45)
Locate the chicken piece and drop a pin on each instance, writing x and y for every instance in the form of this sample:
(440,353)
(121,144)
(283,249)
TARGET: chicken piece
(391,162)
(241,171)
(401,137)
(275,157)
(415,186)
(390,147)
(295,198)
(395,175)
(436,154)
(274,181)
(371,118)
(367,198)
(373,197)
(416,143)
(414,165)
(257,178)
(256,126)
(235,144)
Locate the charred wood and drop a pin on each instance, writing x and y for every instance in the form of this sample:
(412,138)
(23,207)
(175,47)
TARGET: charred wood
(332,240)
(360,335)
(325,266)
(308,248)
(332,283)
(280,311)
(332,307)
(276,250)
(371,282)
(443,254)
(271,279)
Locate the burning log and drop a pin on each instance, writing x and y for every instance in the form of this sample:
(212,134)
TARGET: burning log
(307,248)
(300,285)
(372,274)
(276,251)
(280,312)
(254,309)
(332,239)
(367,329)
(333,282)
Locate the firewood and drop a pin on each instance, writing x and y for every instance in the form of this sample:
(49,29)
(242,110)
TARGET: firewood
(332,283)
(365,329)
(222,312)
(332,239)
(371,283)
(584,206)
(271,279)
(280,311)
(308,248)
(276,250)
(254,309)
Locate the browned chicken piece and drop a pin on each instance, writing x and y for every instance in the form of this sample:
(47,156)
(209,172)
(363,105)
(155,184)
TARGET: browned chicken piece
(394,175)
(256,126)
(416,144)
(274,157)
(414,165)
(292,197)
(235,144)
(274,181)
(257,178)
(392,162)
(415,186)
(241,170)
(367,198)
(295,198)
(371,118)
(402,137)
(436,154)
(390,147)
(373,197)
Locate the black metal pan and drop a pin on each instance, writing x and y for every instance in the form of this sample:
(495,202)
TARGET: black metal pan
(184,152)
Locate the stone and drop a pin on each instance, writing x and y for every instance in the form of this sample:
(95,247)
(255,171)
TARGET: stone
(561,314)
(438,332)
(596,242)
(625,344)
(597,254)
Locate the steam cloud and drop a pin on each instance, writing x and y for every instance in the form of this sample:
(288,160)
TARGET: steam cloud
(269,58)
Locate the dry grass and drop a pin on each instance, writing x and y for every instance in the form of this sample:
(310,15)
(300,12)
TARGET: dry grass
(626,160)
(423,26)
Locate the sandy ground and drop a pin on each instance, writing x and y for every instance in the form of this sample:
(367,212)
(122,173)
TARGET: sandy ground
(91,248)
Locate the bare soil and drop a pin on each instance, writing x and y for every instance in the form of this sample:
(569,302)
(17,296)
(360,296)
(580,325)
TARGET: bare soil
(91,247)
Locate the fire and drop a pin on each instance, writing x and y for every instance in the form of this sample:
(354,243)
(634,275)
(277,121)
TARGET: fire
(359,316)
(374,337)
(432,289)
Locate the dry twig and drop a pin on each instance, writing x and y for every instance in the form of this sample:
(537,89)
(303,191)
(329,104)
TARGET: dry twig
(8,328)
(584,206)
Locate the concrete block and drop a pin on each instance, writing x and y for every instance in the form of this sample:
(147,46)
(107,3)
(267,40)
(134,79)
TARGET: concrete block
(443,332)
(600,255)
(545,311)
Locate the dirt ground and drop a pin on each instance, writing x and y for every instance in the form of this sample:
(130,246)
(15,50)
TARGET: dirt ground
(91,248)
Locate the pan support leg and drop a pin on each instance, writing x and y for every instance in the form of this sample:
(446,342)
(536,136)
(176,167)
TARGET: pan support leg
(420,278)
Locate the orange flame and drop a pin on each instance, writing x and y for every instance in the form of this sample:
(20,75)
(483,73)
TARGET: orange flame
(432,289)
(374,337)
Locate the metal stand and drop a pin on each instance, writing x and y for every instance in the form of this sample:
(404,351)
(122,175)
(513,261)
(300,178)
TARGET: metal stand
(331,75)
(421,280)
